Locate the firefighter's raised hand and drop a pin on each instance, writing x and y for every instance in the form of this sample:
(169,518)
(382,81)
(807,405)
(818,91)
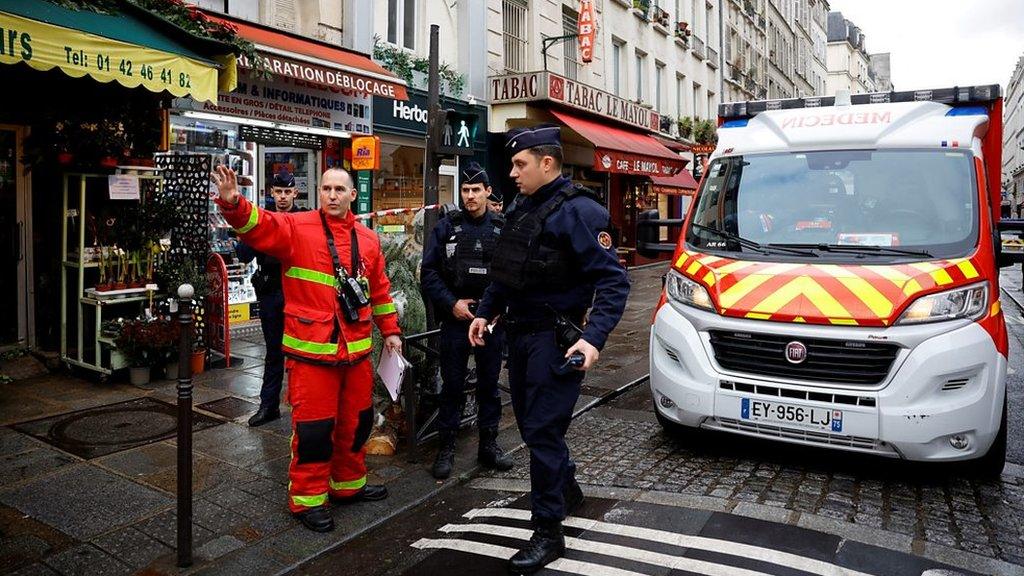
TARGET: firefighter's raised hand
(477,331)
(227,183)
(393,343)
(461,309)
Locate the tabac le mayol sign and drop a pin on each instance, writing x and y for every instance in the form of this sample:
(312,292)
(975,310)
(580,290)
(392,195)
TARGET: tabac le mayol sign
(548,86)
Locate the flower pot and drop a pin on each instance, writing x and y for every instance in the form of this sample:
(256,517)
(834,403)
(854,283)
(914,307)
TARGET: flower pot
(138,375)
(171,370)
(65,158)
(198,362)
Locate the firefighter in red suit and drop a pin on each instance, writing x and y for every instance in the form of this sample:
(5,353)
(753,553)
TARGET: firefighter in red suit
(327,340)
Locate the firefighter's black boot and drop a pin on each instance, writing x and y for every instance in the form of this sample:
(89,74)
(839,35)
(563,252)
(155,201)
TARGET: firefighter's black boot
(490,455)
(445,460)
(546,545)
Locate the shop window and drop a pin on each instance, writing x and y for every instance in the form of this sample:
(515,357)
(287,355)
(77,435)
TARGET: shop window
(515,35)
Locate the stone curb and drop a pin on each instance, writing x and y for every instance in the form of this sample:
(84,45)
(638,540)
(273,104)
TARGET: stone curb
(846,530)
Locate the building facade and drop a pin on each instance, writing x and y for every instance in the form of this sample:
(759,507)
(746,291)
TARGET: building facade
(744,44)
(1013,139)
(880,65)
(652,64)
(849,64)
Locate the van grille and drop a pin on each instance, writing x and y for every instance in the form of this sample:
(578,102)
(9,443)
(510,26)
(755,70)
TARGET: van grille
(839,361)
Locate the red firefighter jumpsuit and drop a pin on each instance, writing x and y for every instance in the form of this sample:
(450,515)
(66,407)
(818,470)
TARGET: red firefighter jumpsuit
(330,379)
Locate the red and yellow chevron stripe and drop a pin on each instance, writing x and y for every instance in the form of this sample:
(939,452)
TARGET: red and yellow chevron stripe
(820,293)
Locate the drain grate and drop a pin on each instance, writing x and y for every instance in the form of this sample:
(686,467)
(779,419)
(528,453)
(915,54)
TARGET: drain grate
(112,428)
(230,407)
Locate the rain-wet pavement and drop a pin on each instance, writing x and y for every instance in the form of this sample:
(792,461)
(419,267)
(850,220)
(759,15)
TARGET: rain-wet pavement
(106,505)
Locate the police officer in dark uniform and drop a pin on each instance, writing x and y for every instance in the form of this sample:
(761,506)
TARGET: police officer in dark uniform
(554,260)
(267,283)
(494,203)
(456,259)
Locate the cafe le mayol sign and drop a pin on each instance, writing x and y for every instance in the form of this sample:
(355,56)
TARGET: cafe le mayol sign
(549,86)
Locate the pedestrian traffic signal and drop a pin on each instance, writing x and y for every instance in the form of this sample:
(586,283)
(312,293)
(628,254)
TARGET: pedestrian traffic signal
(457,133)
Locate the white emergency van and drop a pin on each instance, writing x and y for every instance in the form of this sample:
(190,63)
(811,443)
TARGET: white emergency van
(836,282)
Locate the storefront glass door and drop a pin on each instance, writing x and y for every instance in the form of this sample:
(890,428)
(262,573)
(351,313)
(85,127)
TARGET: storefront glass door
(302,164)
(13,241)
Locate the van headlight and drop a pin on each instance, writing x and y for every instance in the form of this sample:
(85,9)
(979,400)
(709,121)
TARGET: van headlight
(685,291)
(967,302)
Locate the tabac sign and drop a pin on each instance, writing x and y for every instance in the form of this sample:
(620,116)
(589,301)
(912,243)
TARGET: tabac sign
(547,86)
(587,30)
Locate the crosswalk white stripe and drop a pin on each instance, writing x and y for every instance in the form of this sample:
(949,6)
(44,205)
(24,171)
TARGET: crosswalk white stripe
(482,549)
(624,552)
(712,544)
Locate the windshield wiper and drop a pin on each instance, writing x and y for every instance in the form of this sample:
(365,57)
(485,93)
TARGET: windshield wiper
(857,249)
(748,243)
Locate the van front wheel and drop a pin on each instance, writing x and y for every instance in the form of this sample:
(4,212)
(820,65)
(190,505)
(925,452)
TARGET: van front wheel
(990,466)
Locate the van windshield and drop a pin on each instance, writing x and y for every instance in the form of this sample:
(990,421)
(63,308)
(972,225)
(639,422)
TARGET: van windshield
(882,205)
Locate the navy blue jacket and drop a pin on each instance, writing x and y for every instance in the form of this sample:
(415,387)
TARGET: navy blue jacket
(432,267)
(603,286)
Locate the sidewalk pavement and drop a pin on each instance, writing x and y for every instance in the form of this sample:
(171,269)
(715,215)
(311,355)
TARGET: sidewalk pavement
(88,477)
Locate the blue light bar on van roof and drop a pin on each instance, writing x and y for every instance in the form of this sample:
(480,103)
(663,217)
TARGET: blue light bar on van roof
(968,111)
(956,96)
(737,123)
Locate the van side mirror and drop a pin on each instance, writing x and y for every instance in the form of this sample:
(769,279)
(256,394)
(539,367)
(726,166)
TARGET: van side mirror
(648,234)
(1009,251)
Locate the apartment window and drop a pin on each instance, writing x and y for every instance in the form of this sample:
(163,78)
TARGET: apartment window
(514,18)
(570,25)
(696,101)
(641,63)
(693,15)
(710,27)
(712,109)
(617,67)
(402,23)
(659,77)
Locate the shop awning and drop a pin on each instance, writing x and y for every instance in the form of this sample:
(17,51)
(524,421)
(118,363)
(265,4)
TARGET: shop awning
(132,47)
(681,183)
(312,61)
(623,151)
(673,145)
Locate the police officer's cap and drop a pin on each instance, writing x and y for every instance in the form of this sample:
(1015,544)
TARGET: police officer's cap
(283,179)
(519,139)
(475,174)
(495,196)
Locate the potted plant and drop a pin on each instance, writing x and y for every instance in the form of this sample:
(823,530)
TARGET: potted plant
(166,338)
(135,341)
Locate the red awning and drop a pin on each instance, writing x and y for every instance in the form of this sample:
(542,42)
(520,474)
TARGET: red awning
(681,183)
(624,151)
(673,145)
(317,62)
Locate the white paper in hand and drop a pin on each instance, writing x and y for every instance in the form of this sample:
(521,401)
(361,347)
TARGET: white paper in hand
(391,369)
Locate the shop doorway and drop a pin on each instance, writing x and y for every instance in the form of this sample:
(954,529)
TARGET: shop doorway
(16,250)
(301,163)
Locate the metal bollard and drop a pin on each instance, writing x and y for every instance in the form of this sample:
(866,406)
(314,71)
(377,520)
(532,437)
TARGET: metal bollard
(185,293)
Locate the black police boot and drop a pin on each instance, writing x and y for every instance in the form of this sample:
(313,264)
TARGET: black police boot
(490,455)
(317,519)
(445,460)
(263,415)
(546,545)
(573,497)
(368,493)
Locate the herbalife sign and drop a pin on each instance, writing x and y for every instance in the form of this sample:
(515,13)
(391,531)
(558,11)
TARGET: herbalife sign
(465,129)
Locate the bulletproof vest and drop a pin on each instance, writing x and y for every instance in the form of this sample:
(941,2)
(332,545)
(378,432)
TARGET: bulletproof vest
(524,259)
(468,251)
